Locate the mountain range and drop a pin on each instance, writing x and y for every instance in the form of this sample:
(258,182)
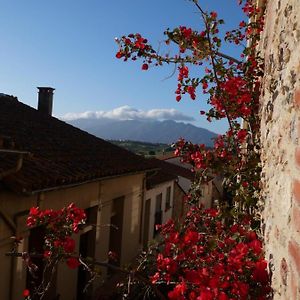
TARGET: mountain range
(150,131)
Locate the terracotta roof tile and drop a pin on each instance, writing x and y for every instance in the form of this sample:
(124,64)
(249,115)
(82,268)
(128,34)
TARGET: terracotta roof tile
(167,172)
(60,153)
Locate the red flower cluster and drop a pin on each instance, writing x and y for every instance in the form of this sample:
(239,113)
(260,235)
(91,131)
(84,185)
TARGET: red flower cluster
(235,99)
(207,259)
(72,216)
(135,46)
(60,225)
(26,293)
(188,39)
(210,260)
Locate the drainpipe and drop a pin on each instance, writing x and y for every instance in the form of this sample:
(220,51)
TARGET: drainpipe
(11,223)
(18,164)
(141,238)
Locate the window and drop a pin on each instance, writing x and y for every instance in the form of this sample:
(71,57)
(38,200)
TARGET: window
(168,198)
(202,192)
(158,213)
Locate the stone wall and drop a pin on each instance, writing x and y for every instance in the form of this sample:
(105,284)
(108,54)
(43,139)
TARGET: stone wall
(280,133)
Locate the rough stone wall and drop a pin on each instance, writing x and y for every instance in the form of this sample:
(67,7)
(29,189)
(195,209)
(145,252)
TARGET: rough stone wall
(280,136)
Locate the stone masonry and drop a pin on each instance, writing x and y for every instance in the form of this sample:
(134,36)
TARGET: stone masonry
(280,136)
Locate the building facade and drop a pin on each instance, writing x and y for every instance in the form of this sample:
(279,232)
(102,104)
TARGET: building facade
(47,163)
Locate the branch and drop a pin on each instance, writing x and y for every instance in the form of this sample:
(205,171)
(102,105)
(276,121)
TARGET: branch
(204,16)
(133,274)
(228,57)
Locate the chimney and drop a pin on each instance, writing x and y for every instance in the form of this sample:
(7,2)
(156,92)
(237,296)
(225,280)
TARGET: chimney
(45,100)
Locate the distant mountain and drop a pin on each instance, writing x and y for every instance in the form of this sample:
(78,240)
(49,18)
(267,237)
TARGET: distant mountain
(144,130)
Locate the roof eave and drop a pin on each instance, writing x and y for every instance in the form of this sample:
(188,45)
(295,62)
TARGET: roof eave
(66,186)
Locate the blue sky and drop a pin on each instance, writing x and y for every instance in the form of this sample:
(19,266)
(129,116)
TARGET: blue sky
(69,45)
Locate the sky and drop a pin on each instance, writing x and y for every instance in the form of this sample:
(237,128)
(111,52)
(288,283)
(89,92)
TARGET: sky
(69,45)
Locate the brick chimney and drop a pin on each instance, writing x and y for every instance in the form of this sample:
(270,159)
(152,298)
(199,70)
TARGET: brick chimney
(45,100)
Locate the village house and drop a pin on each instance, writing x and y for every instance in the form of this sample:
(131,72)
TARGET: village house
(163,200)
(48,163)
(210,192)
(158,200)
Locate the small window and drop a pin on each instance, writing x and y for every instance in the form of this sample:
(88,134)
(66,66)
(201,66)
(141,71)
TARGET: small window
(202,192)
(158,214)
(168,198)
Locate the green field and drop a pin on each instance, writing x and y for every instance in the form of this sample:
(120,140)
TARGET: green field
(145,149)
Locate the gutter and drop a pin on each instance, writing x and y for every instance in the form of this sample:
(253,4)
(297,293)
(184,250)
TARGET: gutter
(85,182)
(11,224)
(18,165)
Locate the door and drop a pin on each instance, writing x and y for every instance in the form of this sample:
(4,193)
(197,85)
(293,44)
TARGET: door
(146,223)
(116,230)
(158,213)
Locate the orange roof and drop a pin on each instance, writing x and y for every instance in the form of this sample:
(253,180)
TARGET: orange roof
(60,153)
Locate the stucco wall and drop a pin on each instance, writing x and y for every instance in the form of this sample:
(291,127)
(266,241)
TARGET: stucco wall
(99,194)
(179,206)
(280,132)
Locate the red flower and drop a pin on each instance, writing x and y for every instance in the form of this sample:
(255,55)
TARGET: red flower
(57,243)
(241,135)
(204,85)
(223,296)
(69,245)
(245,184)
(47,254)
(191,237)
(260,273)
(119,54)
(242,24)
(73,263)
(213,14)
(145,67)
(256,246)
(30,221)
(26,293)
(178,292)
(34,211)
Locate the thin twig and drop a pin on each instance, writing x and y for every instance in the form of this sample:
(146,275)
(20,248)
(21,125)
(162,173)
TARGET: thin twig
(133,274)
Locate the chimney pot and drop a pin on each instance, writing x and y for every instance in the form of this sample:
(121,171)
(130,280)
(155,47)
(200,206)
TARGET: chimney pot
(45,100)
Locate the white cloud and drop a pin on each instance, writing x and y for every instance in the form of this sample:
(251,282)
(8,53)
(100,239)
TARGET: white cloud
(128,113)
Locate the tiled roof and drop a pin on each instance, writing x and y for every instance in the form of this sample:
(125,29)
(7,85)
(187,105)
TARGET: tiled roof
(60,154)
(167,172)
(180,169)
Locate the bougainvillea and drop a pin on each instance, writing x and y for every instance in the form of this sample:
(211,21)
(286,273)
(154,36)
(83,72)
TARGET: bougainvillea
(232,86)
(207,259)
(216,254)
(58,227)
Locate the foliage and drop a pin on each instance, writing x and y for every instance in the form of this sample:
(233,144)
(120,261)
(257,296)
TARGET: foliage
(60,225)
(233,89)
(215,254)
(208,259)
(59,245)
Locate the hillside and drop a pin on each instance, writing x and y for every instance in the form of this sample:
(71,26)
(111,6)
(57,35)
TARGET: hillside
(166,132)
(144,148)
